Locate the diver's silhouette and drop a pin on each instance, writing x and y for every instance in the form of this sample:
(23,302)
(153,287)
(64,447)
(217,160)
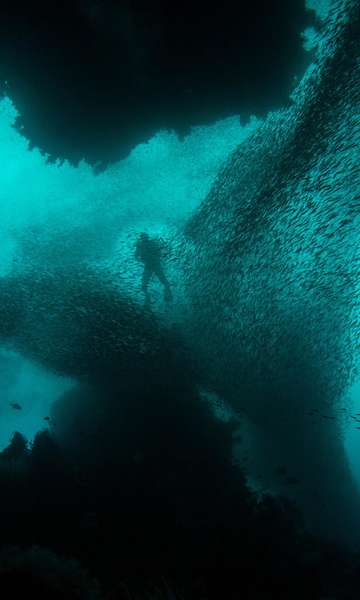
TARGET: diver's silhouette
(149,252)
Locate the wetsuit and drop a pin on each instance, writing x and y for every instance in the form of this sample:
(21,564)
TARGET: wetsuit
(149,252)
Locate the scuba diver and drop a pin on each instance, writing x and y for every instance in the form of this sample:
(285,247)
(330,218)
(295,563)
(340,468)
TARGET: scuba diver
(149,252)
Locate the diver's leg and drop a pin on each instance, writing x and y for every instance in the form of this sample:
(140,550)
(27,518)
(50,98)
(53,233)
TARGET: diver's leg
(146,276)
(145,283)
(163,279)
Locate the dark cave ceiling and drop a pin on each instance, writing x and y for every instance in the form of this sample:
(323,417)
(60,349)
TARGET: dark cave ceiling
(93,78)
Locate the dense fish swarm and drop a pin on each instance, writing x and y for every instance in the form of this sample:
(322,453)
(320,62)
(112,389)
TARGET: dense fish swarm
(76,323)
(273,274)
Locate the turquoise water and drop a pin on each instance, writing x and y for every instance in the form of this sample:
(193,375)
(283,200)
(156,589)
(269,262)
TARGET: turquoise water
(352,435)
(294,225)
(157,187)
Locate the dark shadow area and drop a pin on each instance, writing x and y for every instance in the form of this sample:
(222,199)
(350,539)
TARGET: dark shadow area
(92,79)
(139,488)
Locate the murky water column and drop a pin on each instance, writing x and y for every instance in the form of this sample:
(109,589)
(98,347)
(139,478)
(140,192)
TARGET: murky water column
(274,265)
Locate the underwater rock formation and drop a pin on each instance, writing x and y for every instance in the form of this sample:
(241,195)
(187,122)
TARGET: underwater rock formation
(39,572)
(274,250)
(121,71)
